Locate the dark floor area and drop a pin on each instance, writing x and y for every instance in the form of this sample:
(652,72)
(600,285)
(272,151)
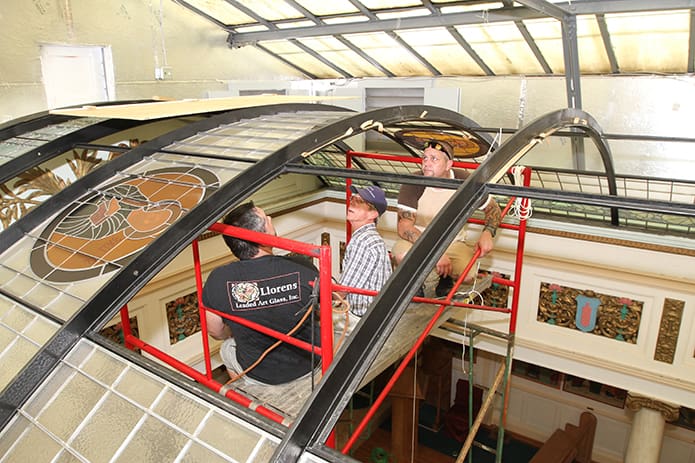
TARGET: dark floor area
(438,447)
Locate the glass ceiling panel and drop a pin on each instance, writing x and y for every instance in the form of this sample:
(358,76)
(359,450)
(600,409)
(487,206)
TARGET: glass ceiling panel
(650,42)
(462,8)
(299,57)
(346,19)
(547,33)
(22,333)
(16,146)
(380,4)
(295,24)
(271,9)
(502,48)
(593,58)
(390,55)
(97,407)
(322,7)
(222,11)
(409,13)
(439,48)
(336,52)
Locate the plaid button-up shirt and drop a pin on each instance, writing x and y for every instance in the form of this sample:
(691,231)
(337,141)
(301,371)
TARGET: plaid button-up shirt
(366,266)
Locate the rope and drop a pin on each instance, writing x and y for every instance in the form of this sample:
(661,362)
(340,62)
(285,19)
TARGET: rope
(341,306)
(522,206)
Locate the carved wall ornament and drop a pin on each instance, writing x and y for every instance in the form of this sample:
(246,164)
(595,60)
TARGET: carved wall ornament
(600,314)
(183,317)
(635,402)
(670,325)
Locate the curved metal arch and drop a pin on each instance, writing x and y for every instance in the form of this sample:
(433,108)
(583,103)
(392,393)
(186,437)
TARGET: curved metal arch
(540,128)
(60,145)
(27,123)
(53,148)
(106,302)
(319,415)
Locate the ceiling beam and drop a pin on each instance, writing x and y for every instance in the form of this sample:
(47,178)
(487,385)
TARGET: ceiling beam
(414,52)
(523,30)
(607,43)
(287,62)
(359,52)
(239,39)
(691,44)
(548,9)
(469,49)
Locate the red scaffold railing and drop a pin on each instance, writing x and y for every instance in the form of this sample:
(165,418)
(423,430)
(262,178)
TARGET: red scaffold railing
(447,301)
(326,287)
(322,253)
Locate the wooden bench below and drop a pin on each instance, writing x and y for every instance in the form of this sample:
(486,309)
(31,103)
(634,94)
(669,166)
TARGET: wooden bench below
(574,443)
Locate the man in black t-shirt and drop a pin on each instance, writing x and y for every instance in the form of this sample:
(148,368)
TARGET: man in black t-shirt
(270,290)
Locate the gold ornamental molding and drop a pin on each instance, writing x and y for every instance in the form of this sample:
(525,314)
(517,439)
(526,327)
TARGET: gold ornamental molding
(671,318)
(635,402)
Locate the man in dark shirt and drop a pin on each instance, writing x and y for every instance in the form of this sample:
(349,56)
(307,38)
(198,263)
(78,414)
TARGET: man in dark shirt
(270,290)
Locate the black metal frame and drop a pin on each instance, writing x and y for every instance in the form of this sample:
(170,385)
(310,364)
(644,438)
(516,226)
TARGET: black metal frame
(104,305)
(319,414)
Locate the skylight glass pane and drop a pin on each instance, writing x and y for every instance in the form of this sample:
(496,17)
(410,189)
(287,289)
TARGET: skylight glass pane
(547,33)
(222,11)
(502,48)
(294,24)
(593,58)
(107,418)
(271,9)
(441,50)
(298,57)
(410,13)
(381,4)
(653,42)
(389,54)
(457,7)
(346,19)
(322,7)
(346,59)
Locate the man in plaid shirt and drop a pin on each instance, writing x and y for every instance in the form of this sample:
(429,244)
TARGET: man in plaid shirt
(366,264)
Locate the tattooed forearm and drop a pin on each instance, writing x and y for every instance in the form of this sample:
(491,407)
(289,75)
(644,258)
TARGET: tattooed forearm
(406,215)
(406,226)
(411,235)
(493,216)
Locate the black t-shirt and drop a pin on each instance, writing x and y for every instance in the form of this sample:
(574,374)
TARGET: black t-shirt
(272,291)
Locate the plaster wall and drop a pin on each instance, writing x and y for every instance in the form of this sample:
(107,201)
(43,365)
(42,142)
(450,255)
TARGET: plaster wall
(142,35)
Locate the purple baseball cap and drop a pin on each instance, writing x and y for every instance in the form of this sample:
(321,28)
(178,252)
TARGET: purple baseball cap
(373,195)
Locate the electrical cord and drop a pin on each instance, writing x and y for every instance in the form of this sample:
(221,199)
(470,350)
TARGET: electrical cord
(345,310)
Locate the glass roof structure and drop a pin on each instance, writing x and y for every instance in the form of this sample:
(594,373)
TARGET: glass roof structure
(69,266)
(369,38)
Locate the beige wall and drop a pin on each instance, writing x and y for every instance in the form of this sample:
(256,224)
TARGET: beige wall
(196,50)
